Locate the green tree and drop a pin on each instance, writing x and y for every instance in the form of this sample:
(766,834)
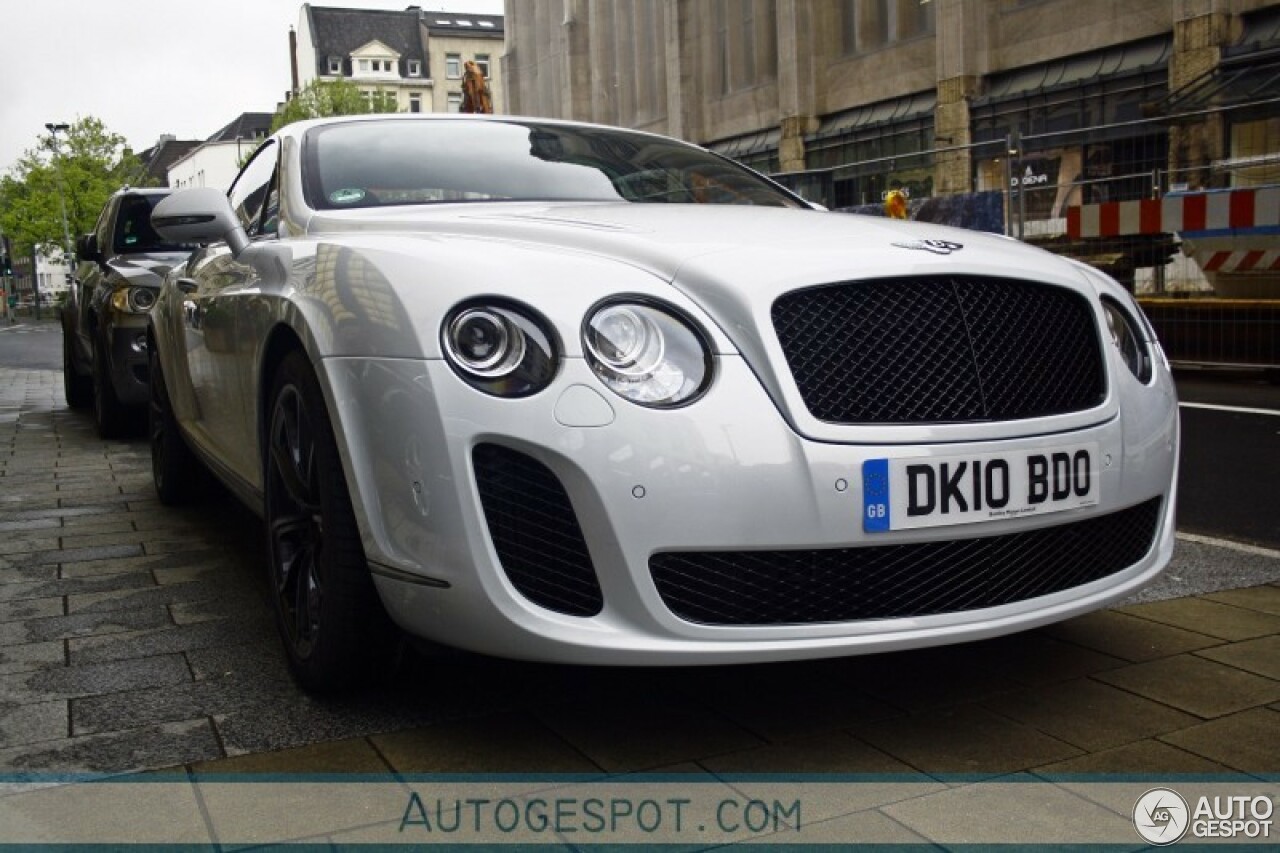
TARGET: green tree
(87,161)
(321,98)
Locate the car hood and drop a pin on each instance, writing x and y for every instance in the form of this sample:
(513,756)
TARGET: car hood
(145,269)
(755,249)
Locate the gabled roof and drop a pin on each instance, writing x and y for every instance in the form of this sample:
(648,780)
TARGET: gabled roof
(158,158)
(244,126)
(338,32)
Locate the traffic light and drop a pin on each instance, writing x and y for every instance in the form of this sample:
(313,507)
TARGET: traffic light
(6,263)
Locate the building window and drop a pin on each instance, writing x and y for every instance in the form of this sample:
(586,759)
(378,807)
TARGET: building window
(455,102)
(482,62)
(415,68)
(415,102)
(453,66)
(335,65)
(363,65)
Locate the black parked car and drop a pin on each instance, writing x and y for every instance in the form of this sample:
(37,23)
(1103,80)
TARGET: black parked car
(104,324)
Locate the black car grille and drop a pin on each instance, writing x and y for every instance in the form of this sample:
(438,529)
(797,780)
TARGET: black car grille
(940,349)
(891,581)
(535,531)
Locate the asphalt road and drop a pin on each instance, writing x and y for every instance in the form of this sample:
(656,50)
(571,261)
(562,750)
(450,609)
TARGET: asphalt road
(1229,484)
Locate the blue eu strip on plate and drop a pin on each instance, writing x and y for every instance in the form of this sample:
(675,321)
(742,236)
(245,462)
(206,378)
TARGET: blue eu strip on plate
(875,495)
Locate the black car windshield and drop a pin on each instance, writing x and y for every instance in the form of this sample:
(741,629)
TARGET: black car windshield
(134,233)
(370,163)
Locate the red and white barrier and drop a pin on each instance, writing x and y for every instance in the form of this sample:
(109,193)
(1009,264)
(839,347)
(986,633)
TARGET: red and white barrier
(1206,211)
(1243,261)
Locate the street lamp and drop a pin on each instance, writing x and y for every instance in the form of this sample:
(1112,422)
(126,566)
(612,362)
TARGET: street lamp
(68,251)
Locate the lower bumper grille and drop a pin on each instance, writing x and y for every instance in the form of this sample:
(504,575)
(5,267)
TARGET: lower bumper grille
(535,531)
(893,581)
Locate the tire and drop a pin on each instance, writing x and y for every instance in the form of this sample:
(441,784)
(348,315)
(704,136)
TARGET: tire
(110,416)
(78,389)
(336,634)
(177,474)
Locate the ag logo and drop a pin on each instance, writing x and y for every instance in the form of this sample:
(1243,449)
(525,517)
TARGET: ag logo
(1161,816)
(938,247)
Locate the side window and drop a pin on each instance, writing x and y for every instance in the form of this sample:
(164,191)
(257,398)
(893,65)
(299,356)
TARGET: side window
(249,193)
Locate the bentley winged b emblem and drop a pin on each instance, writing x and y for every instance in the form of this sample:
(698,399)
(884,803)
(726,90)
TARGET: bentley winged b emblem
(938,247)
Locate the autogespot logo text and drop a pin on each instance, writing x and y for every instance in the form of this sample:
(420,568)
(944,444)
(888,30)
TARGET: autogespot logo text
(1161,816)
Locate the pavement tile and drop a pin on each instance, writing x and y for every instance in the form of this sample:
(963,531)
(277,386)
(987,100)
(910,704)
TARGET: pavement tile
(71,541)
(948,675)
(91,554)
(511,743)
(981,811)
(780,701)
(1260,656)
(1035,658)
(1248,741)
(354,755)
(155,562)
(968,740)
(1209,617)
(1190,683)
(221,648)
(180,700)
(23,526)
(830,752)
(23,724)
(868,827)
(155,595)
(27,548)
(1129,637)
(1090,715)
(30,608)
(89,679)
(74,586)
(235,636)
(81,624)
(1144,756)
(1262,598)
(624,736)
(32,656)
(117,752)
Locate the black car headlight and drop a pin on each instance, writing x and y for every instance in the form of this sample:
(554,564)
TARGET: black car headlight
(647,354)
(1126,333)
(133,300)
(499,348)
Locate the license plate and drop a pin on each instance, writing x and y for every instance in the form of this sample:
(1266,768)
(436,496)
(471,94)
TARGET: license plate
(901,494)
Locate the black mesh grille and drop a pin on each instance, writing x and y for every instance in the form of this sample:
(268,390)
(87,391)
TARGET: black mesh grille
(888,581)
(940,349)
(535,531)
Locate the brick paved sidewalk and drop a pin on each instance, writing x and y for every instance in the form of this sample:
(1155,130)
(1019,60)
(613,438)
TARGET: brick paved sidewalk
(136,637)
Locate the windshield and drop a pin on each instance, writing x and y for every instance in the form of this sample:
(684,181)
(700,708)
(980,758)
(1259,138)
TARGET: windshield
(134,233)
(365,164)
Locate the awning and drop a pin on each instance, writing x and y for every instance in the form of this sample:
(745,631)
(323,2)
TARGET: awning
(919,105)
(1241,79)
(1122,60)
(748,144)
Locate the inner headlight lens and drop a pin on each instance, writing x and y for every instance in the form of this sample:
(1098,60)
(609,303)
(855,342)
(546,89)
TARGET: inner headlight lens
(646,354)
(500,349)
(133,300)
(1126,335)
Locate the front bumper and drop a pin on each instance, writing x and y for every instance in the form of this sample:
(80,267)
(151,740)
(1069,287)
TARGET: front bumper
(726,473)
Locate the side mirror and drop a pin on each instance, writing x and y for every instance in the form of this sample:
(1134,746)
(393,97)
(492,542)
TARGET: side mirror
(200,215)
(87,247)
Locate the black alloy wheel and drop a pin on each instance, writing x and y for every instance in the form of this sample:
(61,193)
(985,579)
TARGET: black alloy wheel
(110,416)
(176,473)
(334,628)
(78,389)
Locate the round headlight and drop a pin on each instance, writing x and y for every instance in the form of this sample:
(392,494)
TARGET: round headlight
(485,343)
(501,349)
(141,299)
(1126,334)
(647,354)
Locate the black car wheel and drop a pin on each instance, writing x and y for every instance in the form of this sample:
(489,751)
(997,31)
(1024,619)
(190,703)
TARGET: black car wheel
(78,389)
(110,416)
(177,474)
(334,628)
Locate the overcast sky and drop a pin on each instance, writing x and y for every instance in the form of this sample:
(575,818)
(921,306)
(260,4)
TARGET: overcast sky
(147,67)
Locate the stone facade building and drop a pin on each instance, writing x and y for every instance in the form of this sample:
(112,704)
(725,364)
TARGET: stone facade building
(868,94)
